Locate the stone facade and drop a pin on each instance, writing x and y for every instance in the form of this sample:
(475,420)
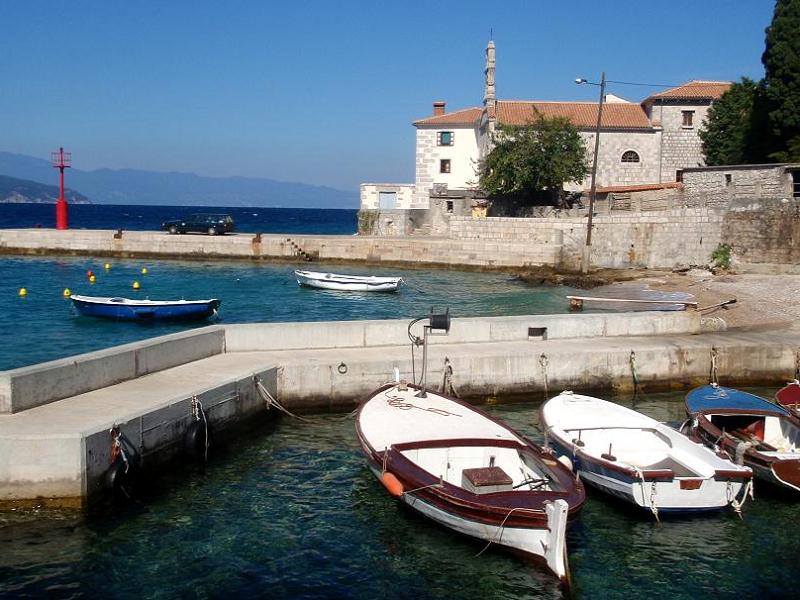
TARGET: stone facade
(681,147)
(764,232)
(610,168)
(721,185)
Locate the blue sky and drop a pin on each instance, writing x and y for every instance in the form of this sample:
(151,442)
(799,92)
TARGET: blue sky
(325,92)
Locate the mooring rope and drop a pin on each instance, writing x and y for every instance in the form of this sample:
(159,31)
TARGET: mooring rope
(499,535)
(197,412)
(637,386)
(447,379)
(271,401)
(713,374)
(543,362)
(736,504)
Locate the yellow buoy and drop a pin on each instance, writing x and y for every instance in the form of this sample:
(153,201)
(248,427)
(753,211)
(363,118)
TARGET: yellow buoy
(92,278)
(144,270)
(23,292)
(136,285)
(107,266)
(67,293)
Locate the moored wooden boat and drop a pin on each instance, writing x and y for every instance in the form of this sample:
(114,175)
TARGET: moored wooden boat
(347,283)
(633,457)
(789,397)
(749,429)
(126,309)
(458,466)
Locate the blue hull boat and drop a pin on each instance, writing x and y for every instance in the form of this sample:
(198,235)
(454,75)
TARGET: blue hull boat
(125,309)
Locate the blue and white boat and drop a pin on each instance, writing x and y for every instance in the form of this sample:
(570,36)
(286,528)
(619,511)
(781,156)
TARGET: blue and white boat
(125,309)
(749,429)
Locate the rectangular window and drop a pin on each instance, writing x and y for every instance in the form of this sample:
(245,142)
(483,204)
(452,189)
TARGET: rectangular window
(444,165)
(728,179)
(444,138)
(679,175)
(449,205)
(688,118)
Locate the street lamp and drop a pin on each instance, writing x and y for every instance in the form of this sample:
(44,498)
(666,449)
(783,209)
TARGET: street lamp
(592,188)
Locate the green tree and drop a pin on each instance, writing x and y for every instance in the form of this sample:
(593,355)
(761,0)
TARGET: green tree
(536,157)
(731,134)
(781,60)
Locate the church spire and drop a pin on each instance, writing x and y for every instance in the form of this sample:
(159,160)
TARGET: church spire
(489,98)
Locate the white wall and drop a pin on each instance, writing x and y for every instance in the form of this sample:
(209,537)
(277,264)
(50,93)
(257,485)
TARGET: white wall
(370,194)
(463,155)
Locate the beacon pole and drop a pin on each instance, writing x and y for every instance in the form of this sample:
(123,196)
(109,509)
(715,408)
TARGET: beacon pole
(61,160)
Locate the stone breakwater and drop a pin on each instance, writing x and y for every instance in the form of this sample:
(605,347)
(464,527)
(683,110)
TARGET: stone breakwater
(431,251)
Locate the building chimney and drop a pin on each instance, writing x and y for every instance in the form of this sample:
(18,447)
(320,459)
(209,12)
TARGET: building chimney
(438,108)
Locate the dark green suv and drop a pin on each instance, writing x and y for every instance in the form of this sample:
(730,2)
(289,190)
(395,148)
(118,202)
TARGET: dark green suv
(201,223)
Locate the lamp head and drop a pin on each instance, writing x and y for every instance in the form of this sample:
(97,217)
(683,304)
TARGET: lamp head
(440,322)
(580,80)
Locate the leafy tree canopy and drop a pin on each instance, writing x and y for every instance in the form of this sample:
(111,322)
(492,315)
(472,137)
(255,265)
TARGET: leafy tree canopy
(781,60)
(728,133)
(539,156)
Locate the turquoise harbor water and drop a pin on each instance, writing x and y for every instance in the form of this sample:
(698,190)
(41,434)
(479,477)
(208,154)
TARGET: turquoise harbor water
(45,326)
(290,511)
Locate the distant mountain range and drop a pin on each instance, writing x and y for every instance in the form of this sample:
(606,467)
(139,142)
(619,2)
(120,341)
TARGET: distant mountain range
(18,191)
(129,186)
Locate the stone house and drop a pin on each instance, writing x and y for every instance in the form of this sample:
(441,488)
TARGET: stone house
(650,142)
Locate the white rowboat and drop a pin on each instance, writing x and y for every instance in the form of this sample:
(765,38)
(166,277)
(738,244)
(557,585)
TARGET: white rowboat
(459,467)
(633,457)
(348,283)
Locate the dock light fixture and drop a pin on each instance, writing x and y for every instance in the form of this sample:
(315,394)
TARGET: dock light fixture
(436,323)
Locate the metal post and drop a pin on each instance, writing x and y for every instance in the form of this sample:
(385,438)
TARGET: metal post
(592,189)
(423,380)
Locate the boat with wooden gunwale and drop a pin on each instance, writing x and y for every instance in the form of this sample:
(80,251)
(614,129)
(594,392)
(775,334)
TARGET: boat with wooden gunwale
(748,429)
(456,465)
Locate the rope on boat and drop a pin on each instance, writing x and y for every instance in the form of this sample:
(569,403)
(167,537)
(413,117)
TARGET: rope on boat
(271,401)
(543,362)
(736,504)
(401,403)
(637,387)
(741,448)
(499,537)
(447,379)
(197,414)
(653,506)
(713,374)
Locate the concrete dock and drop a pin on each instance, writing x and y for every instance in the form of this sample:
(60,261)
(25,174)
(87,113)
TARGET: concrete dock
(56,417)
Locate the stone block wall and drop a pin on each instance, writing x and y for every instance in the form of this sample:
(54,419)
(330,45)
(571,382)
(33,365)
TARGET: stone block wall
(610,168)
(722,185)
(764,231)
(370,193)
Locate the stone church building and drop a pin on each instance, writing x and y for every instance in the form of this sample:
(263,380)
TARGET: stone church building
(650,142)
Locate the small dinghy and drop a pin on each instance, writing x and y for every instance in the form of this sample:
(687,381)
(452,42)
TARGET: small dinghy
(125,309)
(458,466)
(749,429)
(633,457)
(348,283)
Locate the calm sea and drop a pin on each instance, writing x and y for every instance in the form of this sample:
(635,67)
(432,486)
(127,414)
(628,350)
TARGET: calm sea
(143,218)
(290,510)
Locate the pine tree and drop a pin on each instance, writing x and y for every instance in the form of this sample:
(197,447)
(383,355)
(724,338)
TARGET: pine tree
(781,61)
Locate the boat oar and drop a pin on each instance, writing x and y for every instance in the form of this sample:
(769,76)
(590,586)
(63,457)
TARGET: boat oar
(719,305)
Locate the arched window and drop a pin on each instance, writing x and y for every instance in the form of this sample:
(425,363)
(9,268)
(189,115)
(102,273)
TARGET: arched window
(629,156)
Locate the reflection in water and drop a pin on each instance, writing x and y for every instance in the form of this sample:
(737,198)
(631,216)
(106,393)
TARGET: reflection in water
(293,512)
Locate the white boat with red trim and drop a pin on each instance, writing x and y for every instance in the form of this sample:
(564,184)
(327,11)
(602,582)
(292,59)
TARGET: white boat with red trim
(633,457)
(458,466)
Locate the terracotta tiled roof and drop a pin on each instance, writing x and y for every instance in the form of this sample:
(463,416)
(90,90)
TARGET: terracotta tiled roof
(582,115)
(467,116)
(694,90)
(643,187)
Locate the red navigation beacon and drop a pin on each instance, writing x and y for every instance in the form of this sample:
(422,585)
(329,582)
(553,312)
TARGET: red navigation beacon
(61,160)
